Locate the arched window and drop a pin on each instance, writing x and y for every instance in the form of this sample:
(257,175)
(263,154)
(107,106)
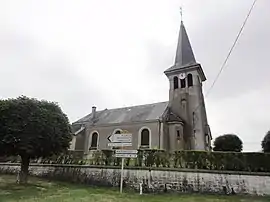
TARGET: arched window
(175,82)
(145,138)
(190,80)
(94,140)
(117,132)
(183,83)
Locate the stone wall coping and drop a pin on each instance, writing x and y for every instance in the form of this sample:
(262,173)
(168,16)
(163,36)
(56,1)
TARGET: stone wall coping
(144,168)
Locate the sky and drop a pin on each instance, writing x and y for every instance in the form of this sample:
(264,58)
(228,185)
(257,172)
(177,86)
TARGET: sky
(103,53)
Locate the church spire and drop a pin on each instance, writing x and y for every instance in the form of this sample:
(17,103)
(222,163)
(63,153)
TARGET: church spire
(184,59)
(184,53)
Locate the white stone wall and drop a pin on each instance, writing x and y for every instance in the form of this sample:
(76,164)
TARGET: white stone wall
(155,180)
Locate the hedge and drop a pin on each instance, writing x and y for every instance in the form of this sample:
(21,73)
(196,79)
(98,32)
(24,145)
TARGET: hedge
(227,161)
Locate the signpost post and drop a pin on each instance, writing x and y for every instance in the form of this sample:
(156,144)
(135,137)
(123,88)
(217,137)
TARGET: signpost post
(122,140)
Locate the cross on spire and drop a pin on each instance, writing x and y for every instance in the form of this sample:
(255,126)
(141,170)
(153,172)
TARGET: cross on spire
(181,13)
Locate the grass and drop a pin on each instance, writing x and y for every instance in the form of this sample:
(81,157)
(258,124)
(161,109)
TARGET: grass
(39,190)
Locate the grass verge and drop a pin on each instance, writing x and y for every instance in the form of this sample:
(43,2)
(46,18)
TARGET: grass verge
(40,190)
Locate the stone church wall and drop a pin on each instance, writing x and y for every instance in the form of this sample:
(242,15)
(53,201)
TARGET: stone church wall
(134,128)
(179,181)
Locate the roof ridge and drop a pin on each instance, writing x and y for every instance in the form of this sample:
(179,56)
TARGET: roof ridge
(134,106)
(137,111)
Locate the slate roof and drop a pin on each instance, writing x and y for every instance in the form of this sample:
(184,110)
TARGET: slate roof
(170,116)
(138,113)
(184,53)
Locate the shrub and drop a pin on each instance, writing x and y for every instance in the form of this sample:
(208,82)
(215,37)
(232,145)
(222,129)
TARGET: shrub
(230,161)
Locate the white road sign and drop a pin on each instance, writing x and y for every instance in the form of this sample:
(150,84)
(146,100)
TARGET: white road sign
(123,151)
(126,155)
(119,144)
(127,137)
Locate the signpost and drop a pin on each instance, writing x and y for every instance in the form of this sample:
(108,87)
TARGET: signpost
(122,140)
(123,151)
(119,144)
(126,153)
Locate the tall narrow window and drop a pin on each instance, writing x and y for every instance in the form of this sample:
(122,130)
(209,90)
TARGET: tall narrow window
(183,83)
(178,134)
(94,141)
(175,82)
(190,80)
(199,81)
(145,137)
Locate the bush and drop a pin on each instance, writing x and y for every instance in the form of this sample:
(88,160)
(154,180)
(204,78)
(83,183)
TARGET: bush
(229,161)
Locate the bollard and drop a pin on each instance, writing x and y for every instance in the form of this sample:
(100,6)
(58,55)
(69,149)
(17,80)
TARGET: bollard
(141,188)
(18,178)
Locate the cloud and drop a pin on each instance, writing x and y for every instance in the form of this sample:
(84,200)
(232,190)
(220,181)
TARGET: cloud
(114,54)
(246,115)
(30,69)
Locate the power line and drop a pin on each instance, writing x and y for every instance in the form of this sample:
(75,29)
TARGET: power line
(229,54)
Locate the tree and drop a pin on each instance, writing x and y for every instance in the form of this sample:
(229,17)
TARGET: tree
(228,142)
(266,142)
(31,128)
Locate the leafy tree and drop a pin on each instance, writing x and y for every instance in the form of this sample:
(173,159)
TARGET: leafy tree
(266,142)
(31,128)
(228,142)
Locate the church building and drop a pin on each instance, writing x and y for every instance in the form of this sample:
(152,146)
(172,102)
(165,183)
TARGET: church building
(177,124)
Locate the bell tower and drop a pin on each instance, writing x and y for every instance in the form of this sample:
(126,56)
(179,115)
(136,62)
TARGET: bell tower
(186,96)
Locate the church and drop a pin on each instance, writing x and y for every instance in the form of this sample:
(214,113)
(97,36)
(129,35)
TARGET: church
(177,124)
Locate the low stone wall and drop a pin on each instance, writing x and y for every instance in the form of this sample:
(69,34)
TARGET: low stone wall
(154,180)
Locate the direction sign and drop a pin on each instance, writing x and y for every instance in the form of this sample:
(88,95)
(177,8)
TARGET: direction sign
(122,140)
(126,155)
(122,151)
(119,144)
(127,137)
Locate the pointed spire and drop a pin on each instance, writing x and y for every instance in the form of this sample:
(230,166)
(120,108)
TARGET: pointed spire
(184,53)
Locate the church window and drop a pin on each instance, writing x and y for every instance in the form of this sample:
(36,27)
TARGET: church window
(190,80)
(178,134)
(206,139)
(145,138)
(175,82)
(94,141)
(183,83)
(116,132)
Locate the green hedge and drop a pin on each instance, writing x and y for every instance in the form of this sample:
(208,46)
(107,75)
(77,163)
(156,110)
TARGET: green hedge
(229,161)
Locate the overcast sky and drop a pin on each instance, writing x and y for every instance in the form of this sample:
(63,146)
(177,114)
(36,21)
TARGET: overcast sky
(107,53)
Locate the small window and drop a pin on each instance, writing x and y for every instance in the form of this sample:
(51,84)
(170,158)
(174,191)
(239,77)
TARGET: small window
(145,135)
(178,134)
(190,80)
(199,81)
(183,83)
(206,139)
(175,82)
(94,141)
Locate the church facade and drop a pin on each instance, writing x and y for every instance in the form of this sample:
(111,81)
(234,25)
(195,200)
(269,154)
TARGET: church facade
(177,124)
